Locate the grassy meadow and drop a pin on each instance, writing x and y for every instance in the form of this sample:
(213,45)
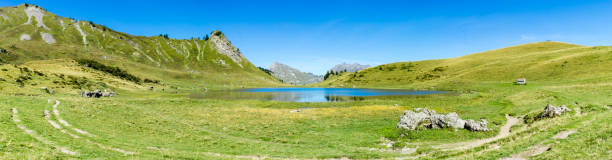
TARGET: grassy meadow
(158,120)
(167,124)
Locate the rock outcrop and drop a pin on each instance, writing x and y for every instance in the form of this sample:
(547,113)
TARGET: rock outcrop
(225,47)
(426,118)
(475,125)
(551,111)
(97,94)
(411,120)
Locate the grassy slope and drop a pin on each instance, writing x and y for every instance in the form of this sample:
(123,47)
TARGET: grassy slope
(557,73)
(538,62)
(169,60)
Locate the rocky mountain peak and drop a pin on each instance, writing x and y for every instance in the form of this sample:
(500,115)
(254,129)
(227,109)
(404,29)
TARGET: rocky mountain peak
(349,67)
(293,76)
(225,47)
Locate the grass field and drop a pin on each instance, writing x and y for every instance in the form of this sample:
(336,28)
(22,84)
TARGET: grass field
(168,124)
(162,122)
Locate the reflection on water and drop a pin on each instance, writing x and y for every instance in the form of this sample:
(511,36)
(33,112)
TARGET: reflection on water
(310,94)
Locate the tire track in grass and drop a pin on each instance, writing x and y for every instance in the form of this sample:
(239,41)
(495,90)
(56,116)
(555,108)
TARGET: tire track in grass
(57,126)
(34,135)
(67,125)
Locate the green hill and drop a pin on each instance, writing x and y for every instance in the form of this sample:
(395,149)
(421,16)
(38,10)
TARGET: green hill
(537,62)
(28,33)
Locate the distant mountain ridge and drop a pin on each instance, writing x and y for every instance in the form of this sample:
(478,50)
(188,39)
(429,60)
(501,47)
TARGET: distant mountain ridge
(349,67)
(293,76)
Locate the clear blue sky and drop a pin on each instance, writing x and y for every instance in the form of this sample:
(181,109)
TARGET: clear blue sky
(314,35)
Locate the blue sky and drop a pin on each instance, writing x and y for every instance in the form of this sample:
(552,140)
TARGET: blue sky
(314,35)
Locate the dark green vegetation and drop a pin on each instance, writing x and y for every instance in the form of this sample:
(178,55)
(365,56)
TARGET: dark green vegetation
(115,71)
(269,72)
(158,120)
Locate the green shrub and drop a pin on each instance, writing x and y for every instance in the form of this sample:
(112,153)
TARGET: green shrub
(391,133)
(217,33)
(146,80)
(391,67)
(39,73)
(408,67)
(115,71)
(439,69)
(533,117)
(269,72)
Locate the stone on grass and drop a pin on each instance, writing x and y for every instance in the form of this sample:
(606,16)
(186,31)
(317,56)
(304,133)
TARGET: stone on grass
(429,119)
(97,94)
(551,111)
(410,120)
(476,126)
(47,90)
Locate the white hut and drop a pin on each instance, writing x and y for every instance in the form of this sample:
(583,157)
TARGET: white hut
(521,81)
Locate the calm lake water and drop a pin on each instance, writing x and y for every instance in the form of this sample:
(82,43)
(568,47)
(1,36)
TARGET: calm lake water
(311,94)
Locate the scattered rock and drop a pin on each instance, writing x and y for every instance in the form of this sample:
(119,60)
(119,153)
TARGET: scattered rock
(46,113)
(386,142)
(411,120)
(25,37)
(564,134)
(48,38)
(47,90)
(551,111)
(97,94)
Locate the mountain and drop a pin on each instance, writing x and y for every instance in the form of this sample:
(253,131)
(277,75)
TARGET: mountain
(30,33)
(293,76)
(549,62)
(349,67)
